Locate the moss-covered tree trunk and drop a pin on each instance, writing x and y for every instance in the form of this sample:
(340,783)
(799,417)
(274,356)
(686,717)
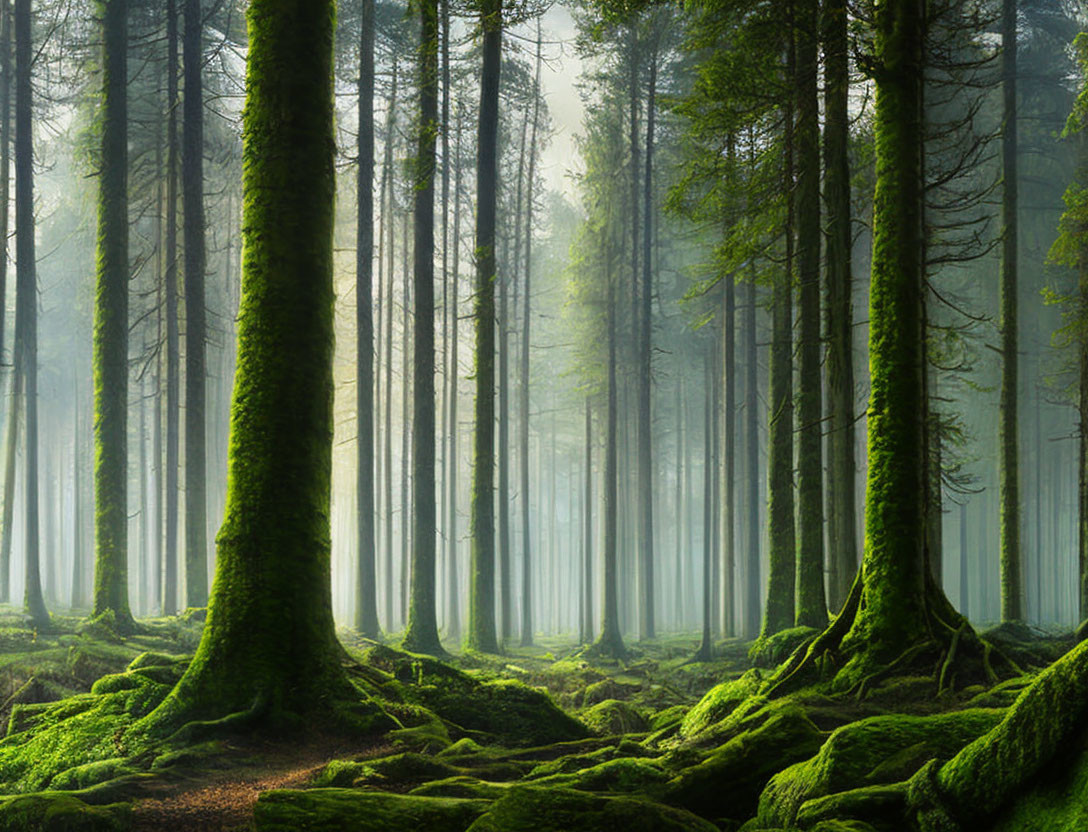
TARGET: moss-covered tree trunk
(366,589)
(842,553)
(422,633)
(811,601)
(481,635)
(269,647)
(1012,568)
(111,326)
(170,292)
(192,184)
(778,612)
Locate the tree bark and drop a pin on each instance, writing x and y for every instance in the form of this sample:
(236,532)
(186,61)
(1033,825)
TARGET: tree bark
(110,330)
(481,634)
(1012,567)
(422,633)
(842,558)
(268,651)
(192,183)
(366,589)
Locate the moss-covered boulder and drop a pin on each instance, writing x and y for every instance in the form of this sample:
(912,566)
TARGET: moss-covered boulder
(509,710)
(613,717)
(620,774)
(727,783)
(874,751)
(532,809)
(336,810)
(58,812)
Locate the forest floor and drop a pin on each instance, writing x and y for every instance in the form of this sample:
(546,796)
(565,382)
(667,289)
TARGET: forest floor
(539,739)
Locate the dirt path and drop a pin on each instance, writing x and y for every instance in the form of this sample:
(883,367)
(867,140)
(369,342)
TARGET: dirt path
(223,800)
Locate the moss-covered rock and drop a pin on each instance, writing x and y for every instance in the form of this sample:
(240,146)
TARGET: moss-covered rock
(532,809)
(336,810)
(507,709)
(613,717)
(462,786)
(874,751)
(620,774)
(57,812)
(728,782)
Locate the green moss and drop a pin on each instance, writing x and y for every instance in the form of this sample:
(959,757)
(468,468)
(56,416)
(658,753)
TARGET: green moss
(90,774)
(746,762)
(668,717)
(400,769)
(613,717)
(529,809)
(511,711)
(879,806)
(1046,720)
(878,750)
(622,774)
(334,810)
(462,786)
(1055,803)
(53,812)
(772,650)
(719,702)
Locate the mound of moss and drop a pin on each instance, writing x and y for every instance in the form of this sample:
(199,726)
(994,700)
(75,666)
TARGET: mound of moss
(613,717)
(719,702)
(771,651)
(533,809)
(506,709)
(336,810)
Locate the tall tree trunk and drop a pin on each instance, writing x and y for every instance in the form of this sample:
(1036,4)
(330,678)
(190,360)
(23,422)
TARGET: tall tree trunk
(110,329)
(482,585)
(389,222)
(173,359)
(811,600)
(1082,457)
(586,622)
(405,422)
(728,380)
(453,611)
(269,647)
(444,132)
(705,652)
(192,183)
(610,641)
(422,634)
(1012,568)
(841,488)
(779,610)
(523,393)
(366,590)
(11,434)
(752,616)
(78,596)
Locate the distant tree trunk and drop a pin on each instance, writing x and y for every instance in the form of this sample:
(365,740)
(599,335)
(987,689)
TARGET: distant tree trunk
(728,381)
(388,221)
(111,329)
(779,610)
(706,651)
(681,509)
(11,448)
(447,373)
(964,582)
(77,596)
(422,634)
(173,361)
(842,511)
(366,590)
(811,600)
(752,616)
(586,623)
(482,585)
(453,611)
(1012,568)
(5,165)
(406,418)
(526,325)
(506,588)
(610,641)
(192,179)
(264,661)
(1082,456)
